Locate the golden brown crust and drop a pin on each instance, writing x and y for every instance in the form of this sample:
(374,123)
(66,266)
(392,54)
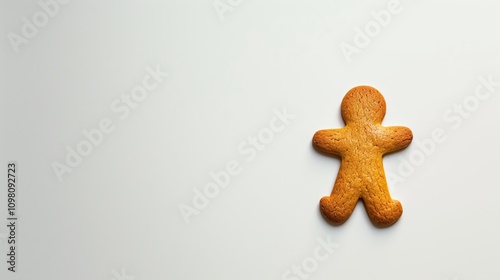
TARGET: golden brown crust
(361,144)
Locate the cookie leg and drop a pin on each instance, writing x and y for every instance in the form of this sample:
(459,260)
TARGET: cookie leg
(338,207)
(383,212)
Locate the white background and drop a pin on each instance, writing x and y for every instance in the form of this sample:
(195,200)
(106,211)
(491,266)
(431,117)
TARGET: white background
(116,216)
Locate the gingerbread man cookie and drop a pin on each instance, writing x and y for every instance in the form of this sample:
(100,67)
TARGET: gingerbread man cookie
(361,145)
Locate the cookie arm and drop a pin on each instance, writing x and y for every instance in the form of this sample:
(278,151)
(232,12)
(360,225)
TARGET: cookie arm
(396,138)
(329,141)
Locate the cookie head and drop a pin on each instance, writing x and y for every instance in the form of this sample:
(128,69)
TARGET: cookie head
(363,104)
